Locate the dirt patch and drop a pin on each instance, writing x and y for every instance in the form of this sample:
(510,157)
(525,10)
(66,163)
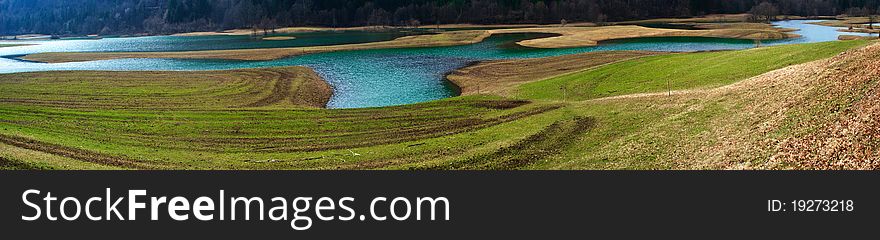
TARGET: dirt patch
(501,104)
(313,91)
(281,91)
(503,76)
(301,88)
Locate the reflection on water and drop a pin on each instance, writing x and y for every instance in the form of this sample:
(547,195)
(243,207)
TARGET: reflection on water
(370,78)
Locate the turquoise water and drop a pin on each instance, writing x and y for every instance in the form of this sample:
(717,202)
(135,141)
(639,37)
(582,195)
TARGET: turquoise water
(194,43)
(372,78)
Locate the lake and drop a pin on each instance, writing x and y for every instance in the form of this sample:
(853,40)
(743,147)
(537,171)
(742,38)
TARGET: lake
(367,78)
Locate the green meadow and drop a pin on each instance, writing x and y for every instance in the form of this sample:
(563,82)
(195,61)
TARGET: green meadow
(86,120)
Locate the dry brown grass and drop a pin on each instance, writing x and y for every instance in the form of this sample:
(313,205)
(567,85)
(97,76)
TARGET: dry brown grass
(853,37)
(500,77)
(817,115)
(591,36)
(849,136)
(242,31)
(844,22)
(851,24)
(861,30)
(279,38)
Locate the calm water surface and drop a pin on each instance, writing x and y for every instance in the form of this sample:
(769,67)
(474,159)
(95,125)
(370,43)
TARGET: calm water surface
(367,78)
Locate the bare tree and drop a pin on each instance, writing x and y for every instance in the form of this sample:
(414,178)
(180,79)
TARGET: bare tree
(764,12)
(872,18)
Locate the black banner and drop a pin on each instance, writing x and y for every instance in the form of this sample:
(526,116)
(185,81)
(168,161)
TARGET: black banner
(490,204)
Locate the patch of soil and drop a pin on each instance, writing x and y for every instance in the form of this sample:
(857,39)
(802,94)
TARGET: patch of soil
(501,104)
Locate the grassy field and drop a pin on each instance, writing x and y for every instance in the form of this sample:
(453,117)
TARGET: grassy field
(678,71)
(261,139)
(501,77)
(197,90)
(722,119)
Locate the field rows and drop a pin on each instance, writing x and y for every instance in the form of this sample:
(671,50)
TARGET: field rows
(721,117)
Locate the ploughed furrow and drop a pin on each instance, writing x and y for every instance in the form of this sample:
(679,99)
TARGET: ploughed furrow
(75,153)
(550,141)
(281,90)
(164,90)
(466,125)
(268,131)
(370,137)
(301,88)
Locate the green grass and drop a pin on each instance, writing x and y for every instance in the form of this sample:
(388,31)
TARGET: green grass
(12,45)
(679,71)
(75,125)
(258,138)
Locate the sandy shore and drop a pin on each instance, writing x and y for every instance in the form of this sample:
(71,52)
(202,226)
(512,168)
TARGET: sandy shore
(279,38)
(591,36)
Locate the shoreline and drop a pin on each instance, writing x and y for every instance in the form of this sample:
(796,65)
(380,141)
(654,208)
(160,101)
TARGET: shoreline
(262,54)
(288,30)
(569,37)
(494,76)
(293,87)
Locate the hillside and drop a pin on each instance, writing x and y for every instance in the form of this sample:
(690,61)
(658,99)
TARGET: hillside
(813,108)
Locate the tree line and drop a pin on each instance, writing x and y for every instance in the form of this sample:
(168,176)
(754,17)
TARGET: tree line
(65,17)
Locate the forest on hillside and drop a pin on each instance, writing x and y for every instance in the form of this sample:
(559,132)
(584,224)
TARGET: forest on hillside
(73,17)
